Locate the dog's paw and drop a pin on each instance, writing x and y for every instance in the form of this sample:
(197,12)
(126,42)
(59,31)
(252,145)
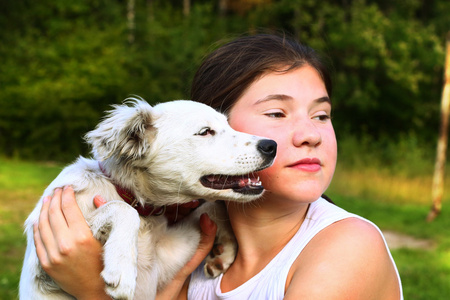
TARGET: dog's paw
(120,282)
(219,259)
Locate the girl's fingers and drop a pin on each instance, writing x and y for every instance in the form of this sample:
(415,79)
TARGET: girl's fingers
(71,211)
(63,234)
(40,248)
(99,201)
(56,218)
(46,236)
(208,228)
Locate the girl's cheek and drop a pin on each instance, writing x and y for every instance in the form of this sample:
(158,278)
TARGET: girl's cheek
(269,174)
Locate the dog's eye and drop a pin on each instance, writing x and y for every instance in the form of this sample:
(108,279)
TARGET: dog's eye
(206,131)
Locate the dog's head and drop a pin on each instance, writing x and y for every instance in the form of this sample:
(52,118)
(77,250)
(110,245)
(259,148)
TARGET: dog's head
(178,151)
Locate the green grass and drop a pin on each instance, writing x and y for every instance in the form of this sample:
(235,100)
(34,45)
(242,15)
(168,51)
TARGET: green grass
(21,184)
(394,202)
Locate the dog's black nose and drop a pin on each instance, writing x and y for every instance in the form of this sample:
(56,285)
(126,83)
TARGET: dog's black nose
(267,147)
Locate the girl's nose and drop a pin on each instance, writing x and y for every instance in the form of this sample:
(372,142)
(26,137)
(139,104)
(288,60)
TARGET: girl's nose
(306,134)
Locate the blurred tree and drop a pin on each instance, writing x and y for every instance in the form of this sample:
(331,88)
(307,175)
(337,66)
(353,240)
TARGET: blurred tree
(441,153)
(186,7)
(64,62)
(62,65)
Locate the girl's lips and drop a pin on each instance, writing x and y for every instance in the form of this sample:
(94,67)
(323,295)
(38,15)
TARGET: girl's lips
(307,164)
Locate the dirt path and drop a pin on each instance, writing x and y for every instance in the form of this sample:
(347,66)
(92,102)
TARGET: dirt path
(397,240)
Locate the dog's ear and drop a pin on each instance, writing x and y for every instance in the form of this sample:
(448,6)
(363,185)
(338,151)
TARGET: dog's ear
(124,132)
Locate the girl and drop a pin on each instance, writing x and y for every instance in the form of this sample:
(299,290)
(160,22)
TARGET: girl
(293,244)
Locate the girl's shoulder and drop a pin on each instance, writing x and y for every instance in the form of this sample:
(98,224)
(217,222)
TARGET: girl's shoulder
(347,259)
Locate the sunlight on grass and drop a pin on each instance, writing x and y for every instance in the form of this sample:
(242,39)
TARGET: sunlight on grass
(445,261)
(385,186)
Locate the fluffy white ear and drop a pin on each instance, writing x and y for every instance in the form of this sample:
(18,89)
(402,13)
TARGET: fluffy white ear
(123,132)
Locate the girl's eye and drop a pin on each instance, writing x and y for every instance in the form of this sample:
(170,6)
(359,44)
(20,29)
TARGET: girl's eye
(206,131)
(322,118)
(275,114)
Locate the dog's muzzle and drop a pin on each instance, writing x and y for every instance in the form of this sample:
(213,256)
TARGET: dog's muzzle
(248,184)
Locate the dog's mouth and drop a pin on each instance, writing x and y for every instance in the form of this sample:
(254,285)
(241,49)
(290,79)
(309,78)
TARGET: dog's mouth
(244,184)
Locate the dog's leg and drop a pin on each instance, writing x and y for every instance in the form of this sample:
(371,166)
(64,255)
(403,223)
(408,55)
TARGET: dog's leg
(116,224)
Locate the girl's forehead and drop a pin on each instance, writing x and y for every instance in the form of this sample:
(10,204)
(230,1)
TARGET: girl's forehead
(300,83)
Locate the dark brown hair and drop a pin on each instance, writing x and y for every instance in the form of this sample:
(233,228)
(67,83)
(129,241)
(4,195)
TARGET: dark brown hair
(227,72)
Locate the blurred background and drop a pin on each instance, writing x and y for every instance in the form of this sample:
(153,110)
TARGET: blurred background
(63,63)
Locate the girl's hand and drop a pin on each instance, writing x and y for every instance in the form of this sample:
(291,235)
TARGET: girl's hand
(66,248)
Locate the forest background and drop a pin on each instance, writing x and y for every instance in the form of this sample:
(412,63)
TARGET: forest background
(63,63)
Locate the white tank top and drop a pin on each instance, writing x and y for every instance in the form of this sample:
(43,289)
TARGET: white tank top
(270,282)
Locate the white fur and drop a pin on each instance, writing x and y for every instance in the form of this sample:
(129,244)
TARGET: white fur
(159,153)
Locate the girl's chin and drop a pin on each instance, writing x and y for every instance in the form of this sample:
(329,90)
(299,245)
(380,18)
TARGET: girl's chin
(306,192)
(298,197)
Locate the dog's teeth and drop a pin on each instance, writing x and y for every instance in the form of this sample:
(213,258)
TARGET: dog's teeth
(256,182)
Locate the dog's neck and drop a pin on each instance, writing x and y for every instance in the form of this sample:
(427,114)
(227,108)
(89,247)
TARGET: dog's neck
(128,196)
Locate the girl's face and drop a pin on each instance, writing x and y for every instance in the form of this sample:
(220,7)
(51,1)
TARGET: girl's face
(293,109)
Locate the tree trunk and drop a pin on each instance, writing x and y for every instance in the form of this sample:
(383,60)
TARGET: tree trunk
(131,21)
(150,12)
(223,7)
(439,169)
(186,7)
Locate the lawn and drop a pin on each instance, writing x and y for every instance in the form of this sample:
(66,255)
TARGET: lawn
(397,203)
(21,184)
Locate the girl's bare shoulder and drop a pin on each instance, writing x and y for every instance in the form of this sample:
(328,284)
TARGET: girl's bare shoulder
(346,260)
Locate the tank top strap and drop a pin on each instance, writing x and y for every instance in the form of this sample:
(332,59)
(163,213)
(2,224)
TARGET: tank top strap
(320,215)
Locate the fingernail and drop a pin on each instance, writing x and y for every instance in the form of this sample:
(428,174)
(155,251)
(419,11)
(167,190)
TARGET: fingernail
(208,219)
(46,199)
(99,200)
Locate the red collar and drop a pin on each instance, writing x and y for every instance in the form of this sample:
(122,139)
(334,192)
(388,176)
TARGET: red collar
(130,198)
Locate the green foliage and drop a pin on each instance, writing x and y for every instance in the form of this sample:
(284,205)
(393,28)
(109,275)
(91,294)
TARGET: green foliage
(72,61)
(63,63)
(60,72)
(405,156)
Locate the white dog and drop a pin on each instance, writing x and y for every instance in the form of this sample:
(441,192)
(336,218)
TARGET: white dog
(172,153)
